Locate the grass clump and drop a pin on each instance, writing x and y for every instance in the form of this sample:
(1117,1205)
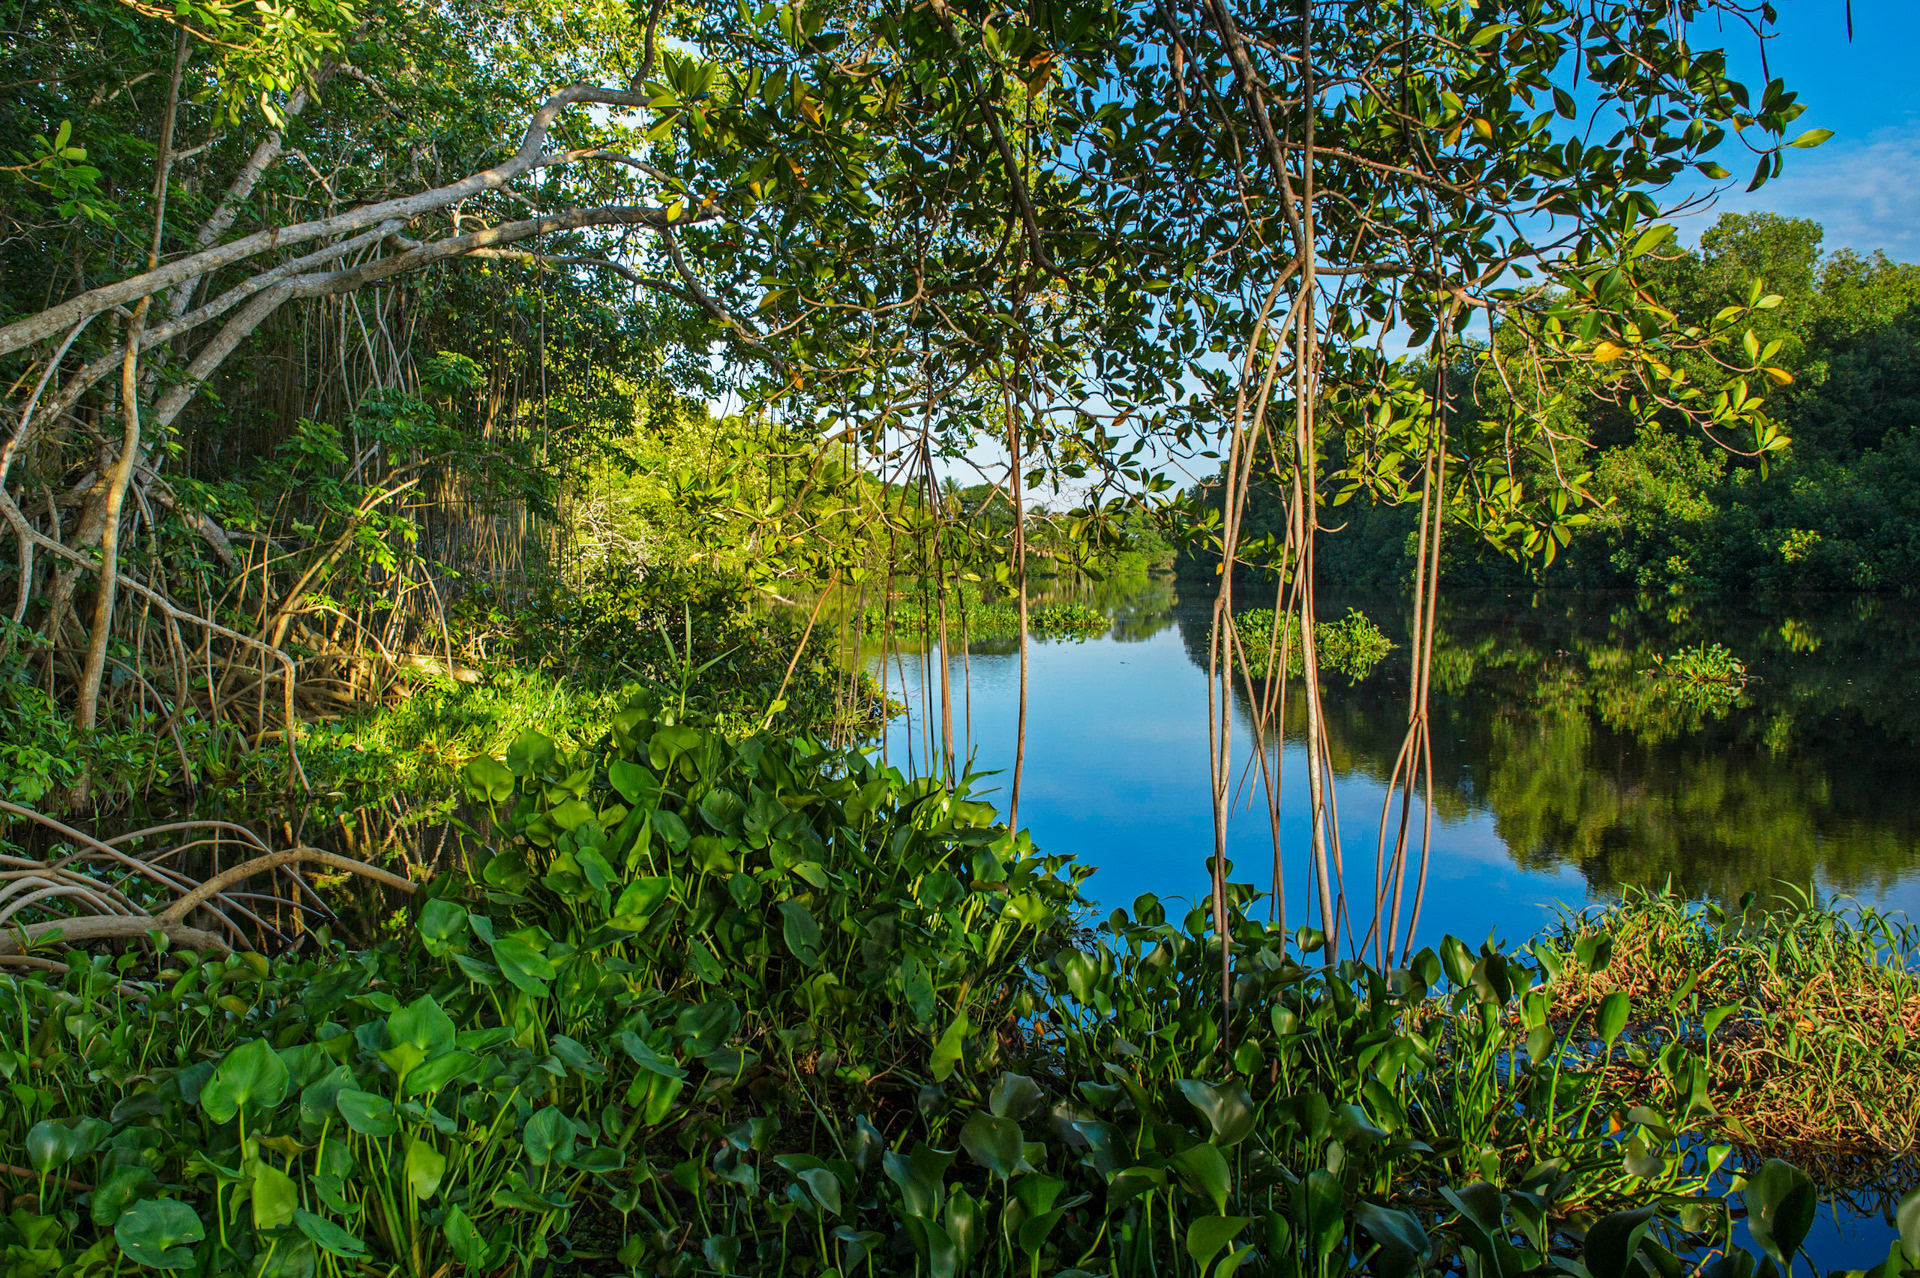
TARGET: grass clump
(1808,1018)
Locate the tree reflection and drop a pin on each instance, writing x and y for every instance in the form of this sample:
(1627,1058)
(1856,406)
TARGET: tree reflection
(1549,713)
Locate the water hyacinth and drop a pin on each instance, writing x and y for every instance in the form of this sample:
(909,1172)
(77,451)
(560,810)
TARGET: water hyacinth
(716,1005)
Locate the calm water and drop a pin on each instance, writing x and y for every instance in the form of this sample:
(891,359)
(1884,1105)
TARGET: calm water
(1562,770)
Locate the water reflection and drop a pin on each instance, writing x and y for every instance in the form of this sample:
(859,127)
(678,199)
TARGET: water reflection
(1563,769)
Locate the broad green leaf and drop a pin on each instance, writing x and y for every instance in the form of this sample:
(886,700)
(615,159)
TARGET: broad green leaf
(946,1052)
(330,1237)
(424,1024)
(524,961)
(638,901)
(51,1144)
(366,1113)
(917,984)
(441,922)
(1781,1202)
(488,780)
(250,1075)
(994,1143)
(119,1191)
(548,1137)
(1204,1170)
(274,1197)
(571,815)
(1206,1235)
(1326,1222)
(1015,1096)
(157,1233)
(1227,1108)
(801,932)
(530,753)
(1403,1243)
(426,1167)
(464,1240)
(636,785)
(1611,1019)
(1613,1240)
(427,1079)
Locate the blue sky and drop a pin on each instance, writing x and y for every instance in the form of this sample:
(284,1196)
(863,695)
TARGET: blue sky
(1863,185)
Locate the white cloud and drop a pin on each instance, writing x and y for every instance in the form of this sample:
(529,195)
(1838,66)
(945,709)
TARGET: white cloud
(1863,192)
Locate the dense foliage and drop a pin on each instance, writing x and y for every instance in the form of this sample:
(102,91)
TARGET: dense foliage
(719,1005)
(1673,509)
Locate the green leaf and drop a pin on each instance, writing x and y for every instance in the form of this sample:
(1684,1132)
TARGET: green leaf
(423,1024)
(524,963)
(1015,1096)
(427,1079)
(1907,1217)
(1613,1241)
(118,1191)
(1326,1222)
(464,1240)
(1206,1235)
(1403,1244)
(51,1144)
(251,1074)
(548,1137)
(917,984)
(946,1052)
(1227,1108)
(274,1197)
(801,932)
(157,1232)
(1781,1201)
(994,1143)
(1612,1016)
(440,923)
(638,901)
(366,1113)
(639,787)
(530,753)
(426,1168)
(722,1252)
(329,1236)
(487,780)
(1204,1170)
(1812,137)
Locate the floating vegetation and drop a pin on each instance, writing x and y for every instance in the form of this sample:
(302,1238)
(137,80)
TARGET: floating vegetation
(1352,645)
(1701,664)
(1808,1019)
(1702,682)
(713,1004)
(969,614)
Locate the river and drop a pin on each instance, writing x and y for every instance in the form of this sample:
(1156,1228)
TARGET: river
(1564,769)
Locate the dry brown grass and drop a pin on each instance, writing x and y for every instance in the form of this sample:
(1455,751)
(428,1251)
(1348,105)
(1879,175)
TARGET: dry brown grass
(1819,1060)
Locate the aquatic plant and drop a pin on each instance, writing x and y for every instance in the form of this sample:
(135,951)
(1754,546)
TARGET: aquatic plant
(1353,645)
(1701,663)
(753,1006)
(969,614)
(1808,1018)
